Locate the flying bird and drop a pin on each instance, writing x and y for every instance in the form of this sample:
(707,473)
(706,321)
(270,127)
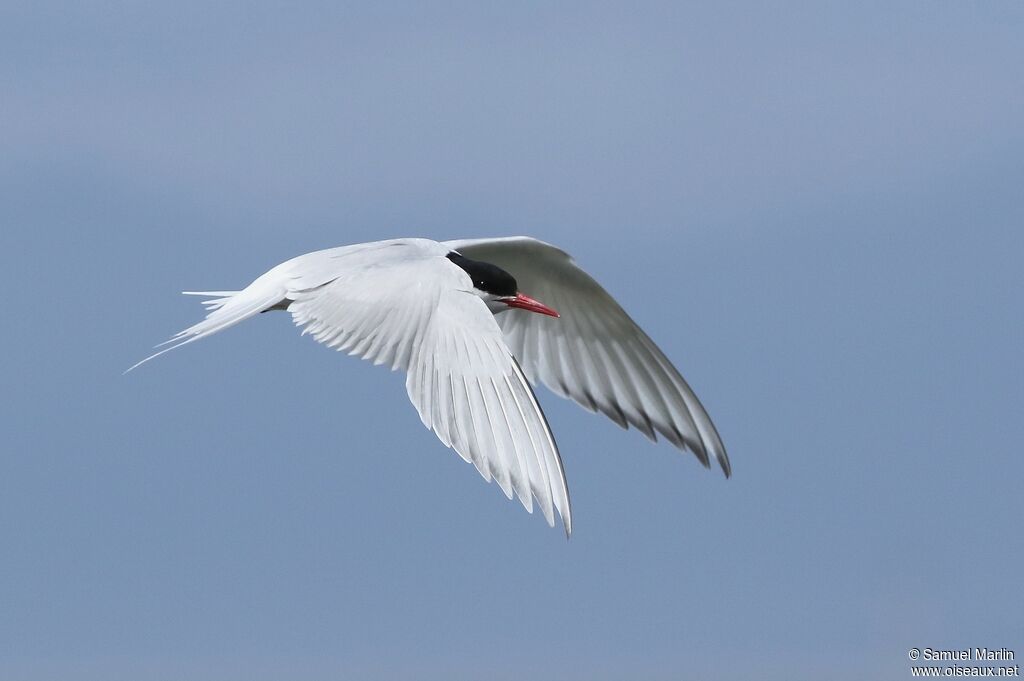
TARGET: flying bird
(460,319)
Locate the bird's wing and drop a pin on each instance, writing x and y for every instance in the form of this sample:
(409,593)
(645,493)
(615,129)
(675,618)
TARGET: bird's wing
(594,353)
(420,314)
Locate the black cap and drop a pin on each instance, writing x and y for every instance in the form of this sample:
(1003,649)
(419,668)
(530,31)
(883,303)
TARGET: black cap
(486,277)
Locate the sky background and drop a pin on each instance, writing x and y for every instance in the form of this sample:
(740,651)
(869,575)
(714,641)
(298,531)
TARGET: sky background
(815,209)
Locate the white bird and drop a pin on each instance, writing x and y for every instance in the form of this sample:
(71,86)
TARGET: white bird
(453,316)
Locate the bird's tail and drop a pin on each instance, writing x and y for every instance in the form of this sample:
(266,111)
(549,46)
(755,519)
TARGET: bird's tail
(217,298)
(227,308)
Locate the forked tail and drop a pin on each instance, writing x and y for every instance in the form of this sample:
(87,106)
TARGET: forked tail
(227,308)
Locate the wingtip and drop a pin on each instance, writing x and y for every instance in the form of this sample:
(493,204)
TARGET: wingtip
(566,521)
(723,461)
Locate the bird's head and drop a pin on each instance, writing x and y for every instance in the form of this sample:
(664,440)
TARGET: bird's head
(497,288)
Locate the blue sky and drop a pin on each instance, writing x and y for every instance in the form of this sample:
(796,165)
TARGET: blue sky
(814,209)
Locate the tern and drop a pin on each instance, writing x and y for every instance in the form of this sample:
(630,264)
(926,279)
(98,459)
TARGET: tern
(455,315)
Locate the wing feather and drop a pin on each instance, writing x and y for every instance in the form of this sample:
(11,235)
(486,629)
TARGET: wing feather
(462,377)
(595,354)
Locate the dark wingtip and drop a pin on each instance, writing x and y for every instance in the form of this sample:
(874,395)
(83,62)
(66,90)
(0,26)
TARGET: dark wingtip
(723,461)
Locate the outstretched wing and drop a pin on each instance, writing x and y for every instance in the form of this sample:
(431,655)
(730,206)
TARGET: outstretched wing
(595,353)
(420,315)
